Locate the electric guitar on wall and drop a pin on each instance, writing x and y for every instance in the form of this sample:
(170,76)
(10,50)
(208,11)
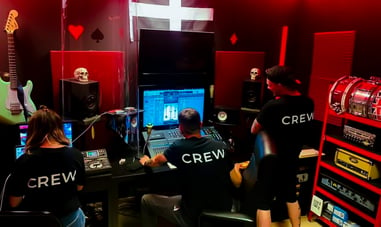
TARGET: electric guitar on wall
(15,102)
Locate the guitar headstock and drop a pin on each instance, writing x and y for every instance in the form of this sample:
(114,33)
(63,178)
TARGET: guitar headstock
(11,24)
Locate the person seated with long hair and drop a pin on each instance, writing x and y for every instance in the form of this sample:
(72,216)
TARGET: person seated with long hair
(48,176)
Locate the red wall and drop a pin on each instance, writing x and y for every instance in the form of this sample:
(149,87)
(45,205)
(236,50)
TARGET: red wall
(231,69)
(106,67)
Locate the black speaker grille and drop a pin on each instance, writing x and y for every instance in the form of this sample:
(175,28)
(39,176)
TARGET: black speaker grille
(252,94)
(79,100)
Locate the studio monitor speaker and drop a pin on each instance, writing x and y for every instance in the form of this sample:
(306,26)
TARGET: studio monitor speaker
(226,115)
(79,100)
(252,94)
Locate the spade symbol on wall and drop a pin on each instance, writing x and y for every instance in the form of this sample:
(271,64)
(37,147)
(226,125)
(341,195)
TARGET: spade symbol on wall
(97,35)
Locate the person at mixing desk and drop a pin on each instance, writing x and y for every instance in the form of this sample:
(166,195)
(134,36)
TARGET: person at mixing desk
(203,165)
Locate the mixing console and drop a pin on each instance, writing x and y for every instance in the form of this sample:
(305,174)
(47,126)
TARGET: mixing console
(162,139)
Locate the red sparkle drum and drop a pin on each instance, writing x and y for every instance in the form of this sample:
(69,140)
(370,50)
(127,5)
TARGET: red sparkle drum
(340,93)
(374,105)
(360,98)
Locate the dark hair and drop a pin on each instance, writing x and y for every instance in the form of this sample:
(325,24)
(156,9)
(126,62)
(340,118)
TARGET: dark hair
(45,123)
(283,75)
(190,119)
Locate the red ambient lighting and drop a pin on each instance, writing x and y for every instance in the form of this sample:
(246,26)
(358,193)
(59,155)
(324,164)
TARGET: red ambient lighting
(283,46)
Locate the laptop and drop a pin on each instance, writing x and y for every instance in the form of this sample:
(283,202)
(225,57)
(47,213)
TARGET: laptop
(18,151)
(67,127)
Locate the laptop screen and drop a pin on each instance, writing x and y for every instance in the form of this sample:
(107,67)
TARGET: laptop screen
(19,150)
(67,128)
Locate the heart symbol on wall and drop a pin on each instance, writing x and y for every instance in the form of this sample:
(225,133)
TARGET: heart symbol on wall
(76,31)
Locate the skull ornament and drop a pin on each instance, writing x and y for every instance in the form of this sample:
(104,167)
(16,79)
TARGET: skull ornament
(255,73)
(81,74)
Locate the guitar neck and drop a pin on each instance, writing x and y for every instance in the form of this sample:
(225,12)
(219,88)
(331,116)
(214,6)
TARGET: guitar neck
(12,62)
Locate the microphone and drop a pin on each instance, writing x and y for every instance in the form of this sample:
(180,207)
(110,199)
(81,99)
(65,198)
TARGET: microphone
(149,129)
(211,91)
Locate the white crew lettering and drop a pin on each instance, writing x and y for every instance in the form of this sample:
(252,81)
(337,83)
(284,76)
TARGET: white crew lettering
(302,118)
(70,175)
(52,180)
(55,179)
(297,119)
(208,157)
(202,158)
(219,154)
(31,183)
(197,158)
(43,181)
(185,158)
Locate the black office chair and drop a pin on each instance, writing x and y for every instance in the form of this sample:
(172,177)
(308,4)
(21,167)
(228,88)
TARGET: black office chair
(28,218)
(209,218)
(262,147)
(12,218)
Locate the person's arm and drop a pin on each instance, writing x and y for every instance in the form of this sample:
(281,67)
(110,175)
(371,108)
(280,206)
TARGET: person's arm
(14,201)
(235,173)
(256,127)
(158,160)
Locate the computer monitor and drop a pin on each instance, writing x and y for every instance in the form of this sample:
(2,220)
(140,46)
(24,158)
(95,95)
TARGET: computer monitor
(67,128)
(171,52)
(161,106)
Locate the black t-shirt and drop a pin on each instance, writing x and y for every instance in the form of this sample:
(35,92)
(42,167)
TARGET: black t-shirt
(48,180)
(288,122)
(203,166)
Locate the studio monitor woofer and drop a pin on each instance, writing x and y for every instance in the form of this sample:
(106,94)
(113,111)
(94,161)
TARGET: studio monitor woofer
(79,100)
(225,115)
(252,94)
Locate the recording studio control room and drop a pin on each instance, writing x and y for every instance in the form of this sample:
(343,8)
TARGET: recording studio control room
(139,112)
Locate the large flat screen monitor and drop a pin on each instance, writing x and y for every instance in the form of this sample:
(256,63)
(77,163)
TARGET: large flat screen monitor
(175,57)
(161,106)
(163,51)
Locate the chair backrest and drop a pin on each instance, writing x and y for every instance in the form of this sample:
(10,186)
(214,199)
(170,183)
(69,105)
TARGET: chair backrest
(249,175)
(247,209)
(28,218)
(264,150)
(262,147)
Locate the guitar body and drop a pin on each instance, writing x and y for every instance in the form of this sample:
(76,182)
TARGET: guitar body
(8,98)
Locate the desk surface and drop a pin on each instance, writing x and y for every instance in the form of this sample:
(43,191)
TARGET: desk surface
(127,178)
(133,168)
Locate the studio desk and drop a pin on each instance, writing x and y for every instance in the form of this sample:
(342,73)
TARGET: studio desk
(127,180)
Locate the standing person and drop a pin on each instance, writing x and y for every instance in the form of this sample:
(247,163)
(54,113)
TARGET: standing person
(50,173)
(203,168)
(287,120)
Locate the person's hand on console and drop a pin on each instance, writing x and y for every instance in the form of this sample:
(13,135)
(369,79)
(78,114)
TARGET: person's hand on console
(144,159)
(158,160)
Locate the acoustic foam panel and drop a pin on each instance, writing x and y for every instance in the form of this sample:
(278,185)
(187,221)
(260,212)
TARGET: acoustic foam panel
(231,69)
(332,59)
